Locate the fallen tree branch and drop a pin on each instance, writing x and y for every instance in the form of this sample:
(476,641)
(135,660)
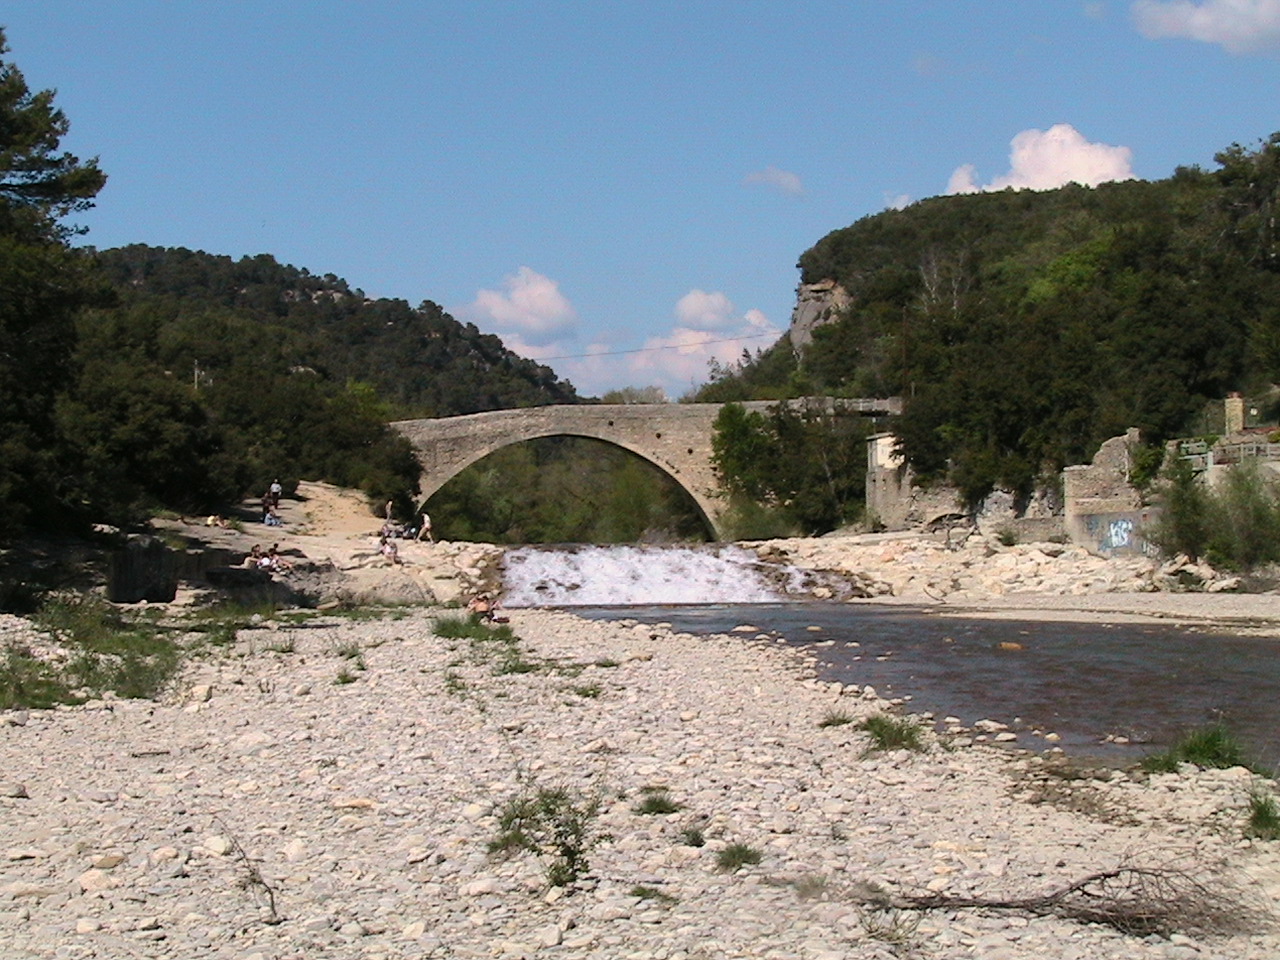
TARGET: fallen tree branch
(1134,900)
(252,879)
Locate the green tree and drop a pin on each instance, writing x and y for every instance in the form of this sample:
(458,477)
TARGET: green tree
(38,185)
(43,285)
(808,464)
(142,440)
(743,450)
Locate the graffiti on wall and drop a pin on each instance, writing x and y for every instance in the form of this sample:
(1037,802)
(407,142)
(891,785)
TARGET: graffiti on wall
(1117,533)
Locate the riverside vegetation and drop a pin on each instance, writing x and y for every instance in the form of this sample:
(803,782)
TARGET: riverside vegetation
(270,811)
(1022,328)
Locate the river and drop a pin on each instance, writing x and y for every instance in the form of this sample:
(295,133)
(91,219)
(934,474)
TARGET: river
(1113,692)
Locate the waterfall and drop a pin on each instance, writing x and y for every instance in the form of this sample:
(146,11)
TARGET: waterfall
(598,576)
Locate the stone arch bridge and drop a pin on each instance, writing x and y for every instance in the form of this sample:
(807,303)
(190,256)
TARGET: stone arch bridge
(674,437)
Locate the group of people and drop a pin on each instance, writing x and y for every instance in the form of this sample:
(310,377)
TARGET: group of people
(271,560)
(391,528)
(271,504)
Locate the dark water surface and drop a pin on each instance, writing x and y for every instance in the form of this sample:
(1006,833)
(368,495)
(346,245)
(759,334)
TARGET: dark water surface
(1084,681)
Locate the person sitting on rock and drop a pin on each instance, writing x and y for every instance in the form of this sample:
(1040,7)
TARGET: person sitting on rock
(389,550)
(481,608)
(277,561)
(254,557)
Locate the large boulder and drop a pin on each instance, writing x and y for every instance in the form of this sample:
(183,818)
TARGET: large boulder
(143,569)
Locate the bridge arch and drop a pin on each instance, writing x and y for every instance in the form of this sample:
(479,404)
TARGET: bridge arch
(674,437)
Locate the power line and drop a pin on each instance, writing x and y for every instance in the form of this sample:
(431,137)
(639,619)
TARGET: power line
(673,346)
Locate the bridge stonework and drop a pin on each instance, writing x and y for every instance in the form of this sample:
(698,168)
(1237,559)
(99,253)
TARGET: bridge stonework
(674,437)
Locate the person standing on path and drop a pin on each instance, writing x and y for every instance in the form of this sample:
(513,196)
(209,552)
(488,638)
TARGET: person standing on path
(424,529)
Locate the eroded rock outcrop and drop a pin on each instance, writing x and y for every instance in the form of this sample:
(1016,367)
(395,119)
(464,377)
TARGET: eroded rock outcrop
(816,304)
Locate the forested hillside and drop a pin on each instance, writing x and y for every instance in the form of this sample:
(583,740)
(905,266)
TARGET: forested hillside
(141,378)
(200,378)
(224,314)
(1023,328)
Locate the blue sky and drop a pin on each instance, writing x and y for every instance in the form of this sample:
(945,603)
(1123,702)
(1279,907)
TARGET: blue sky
(630,180)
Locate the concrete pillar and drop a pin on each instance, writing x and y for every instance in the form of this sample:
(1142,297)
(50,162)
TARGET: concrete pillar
(1234,414)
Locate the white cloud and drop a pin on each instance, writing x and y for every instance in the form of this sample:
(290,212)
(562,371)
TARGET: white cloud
(1044,159)
(781,180)
(707,327)
(700,310)
(536,321)
(529,306)
(1238,26)
(899,201)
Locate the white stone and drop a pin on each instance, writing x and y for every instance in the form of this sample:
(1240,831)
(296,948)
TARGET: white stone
(94,880)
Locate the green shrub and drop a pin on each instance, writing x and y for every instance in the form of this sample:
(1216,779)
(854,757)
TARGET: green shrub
(889,925)
(836,718)
(453,683)
(737,855)
(555,823)
(348,650)
(1183,526)
(109,652)
(27,681)
(495,645)
(588,691)
(656,802)
(693,837)
(1007,536)
(467,628)
(1213,746)
(1264,816)
(1236,526)
(514,663)
(1145,462)
(745,519)
(892,733)
(652,893)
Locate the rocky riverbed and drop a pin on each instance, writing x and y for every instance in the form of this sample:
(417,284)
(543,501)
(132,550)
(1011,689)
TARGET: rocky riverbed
(329,788)
(934,569)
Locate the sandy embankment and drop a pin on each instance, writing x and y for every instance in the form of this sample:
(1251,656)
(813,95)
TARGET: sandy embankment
(331,537)
(367,807)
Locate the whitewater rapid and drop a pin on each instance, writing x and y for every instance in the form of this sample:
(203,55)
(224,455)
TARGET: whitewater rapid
(597,576)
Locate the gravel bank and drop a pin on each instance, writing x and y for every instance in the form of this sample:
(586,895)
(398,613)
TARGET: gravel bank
(134,829)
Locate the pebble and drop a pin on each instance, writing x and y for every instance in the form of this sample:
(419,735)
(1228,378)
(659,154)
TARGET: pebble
(367,810)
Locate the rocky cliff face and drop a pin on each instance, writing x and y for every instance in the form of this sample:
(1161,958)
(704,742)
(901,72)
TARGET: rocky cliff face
(816,304)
